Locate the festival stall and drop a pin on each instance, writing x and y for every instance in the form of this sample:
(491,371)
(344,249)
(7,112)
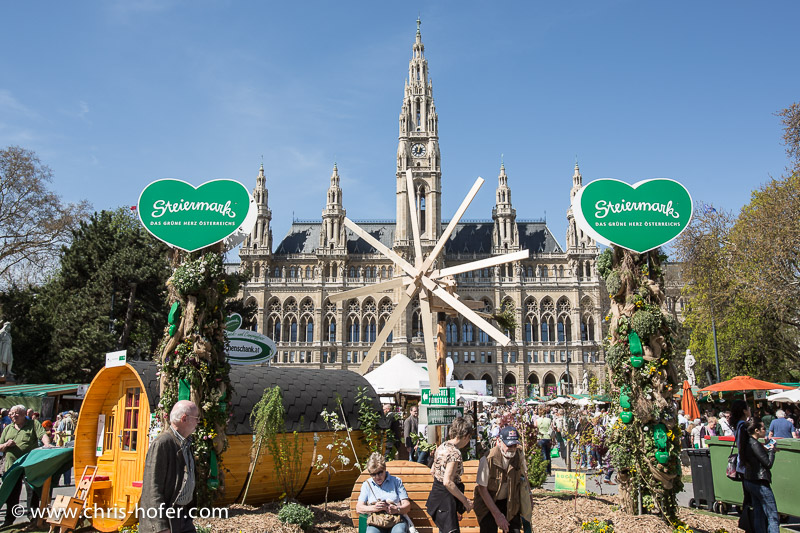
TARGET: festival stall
(116,425)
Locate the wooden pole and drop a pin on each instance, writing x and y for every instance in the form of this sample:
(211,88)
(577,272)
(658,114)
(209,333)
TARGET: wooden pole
(441,361)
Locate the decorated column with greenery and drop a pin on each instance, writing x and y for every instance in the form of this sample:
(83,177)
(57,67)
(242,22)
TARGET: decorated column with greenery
(644,441)
(192,357)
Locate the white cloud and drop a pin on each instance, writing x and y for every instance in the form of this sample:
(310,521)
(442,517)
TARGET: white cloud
(10,104)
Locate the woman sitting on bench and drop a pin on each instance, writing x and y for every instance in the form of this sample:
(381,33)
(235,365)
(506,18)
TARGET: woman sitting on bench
(383,498)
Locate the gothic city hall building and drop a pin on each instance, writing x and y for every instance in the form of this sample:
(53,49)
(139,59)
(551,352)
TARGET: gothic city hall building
(555,294)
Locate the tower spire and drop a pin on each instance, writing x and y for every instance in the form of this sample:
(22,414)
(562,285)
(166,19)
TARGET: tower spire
(505,236)
(418,151)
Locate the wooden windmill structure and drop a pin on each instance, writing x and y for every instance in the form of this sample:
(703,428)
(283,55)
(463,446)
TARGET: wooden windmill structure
(436,287)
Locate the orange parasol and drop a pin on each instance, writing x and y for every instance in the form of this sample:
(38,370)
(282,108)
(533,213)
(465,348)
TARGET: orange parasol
(688,403)
(743,383)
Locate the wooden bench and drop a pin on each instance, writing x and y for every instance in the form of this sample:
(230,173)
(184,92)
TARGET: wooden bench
(417,480)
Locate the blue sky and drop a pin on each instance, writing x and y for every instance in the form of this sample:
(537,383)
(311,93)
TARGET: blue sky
(113,95)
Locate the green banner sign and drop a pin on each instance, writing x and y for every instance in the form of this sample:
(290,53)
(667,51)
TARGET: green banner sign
(639,217)
(443,416)
(446,396)
(191,218)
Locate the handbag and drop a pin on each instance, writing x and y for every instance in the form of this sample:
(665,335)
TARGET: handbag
(383,519)
(732,470)
(554,452)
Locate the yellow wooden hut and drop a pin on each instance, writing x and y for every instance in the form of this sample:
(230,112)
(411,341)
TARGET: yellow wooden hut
(114,431)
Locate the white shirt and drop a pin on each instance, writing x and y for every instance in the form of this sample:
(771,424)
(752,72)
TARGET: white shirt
(727,431)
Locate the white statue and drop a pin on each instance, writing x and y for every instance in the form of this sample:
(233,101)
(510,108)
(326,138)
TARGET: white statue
(585,382)
(6,356)
(688,366)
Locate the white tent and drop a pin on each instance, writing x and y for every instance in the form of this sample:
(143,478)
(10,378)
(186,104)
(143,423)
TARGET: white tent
(398,374)
(791,396)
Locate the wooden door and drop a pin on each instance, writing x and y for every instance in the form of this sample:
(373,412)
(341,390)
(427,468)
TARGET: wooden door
(128,425)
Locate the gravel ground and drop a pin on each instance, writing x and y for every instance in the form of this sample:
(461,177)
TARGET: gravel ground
(551,513)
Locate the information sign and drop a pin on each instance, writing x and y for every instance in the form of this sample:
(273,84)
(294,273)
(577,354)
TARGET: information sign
(566,482)
(116,358)
(446,396)
(443,416)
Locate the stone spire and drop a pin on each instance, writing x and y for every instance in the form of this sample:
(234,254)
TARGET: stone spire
(259,242)
(332,236)
(505,236)
(577,239)
(418,150)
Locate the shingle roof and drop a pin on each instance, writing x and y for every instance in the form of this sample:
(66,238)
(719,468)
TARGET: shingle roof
(306,392)
(468,237)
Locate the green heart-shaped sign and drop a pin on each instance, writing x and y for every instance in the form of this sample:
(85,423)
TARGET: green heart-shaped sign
(191,218)
(639,217)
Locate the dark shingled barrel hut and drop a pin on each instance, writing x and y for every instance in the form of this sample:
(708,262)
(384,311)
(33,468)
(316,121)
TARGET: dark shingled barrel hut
(120,401)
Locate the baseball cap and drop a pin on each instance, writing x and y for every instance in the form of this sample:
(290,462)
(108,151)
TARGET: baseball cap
(510,435)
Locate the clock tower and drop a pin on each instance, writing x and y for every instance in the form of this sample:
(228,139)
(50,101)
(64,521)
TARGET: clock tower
(418,150)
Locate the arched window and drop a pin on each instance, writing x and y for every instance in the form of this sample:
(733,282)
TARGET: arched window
(489,384)
(308,272)
(276,273)
(467,332)
(331,329)
(369,329)
(545,273)
(310,330)
(381,325)
(274,328)
(353,330)
(390,271)
(416,324)
(545,331)
(293,330)
(383,272)
(451,332)
(292,272)
(483,337)
(509,385)
(531,328)
(257,271)
(353,272)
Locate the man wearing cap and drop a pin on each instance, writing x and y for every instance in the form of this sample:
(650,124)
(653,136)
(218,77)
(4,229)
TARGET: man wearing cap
(501,473)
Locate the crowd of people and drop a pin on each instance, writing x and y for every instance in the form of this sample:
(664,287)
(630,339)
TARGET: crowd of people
(578,436)
(22,430)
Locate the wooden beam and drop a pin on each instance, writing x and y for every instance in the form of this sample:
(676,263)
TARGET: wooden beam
(481,263)
(412,209)
(452,225)
(383,334)
(427,330)
(369,289)
(378,245)
(468,313)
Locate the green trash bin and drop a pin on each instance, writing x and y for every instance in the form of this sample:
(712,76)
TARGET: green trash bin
(726,491)
(785,473)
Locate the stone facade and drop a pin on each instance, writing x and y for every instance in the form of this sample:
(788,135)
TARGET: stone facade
(555,294)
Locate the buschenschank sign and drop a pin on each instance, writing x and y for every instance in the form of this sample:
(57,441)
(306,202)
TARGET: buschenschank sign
(191,218)
(247,347)
(639,217)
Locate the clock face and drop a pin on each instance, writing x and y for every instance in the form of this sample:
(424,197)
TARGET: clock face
(418,150)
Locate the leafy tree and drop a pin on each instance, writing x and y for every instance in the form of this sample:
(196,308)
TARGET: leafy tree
(31,331)
(109,294)
(743,275)
(34,223)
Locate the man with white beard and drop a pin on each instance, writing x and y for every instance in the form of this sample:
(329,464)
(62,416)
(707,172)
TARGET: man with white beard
(501,473)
